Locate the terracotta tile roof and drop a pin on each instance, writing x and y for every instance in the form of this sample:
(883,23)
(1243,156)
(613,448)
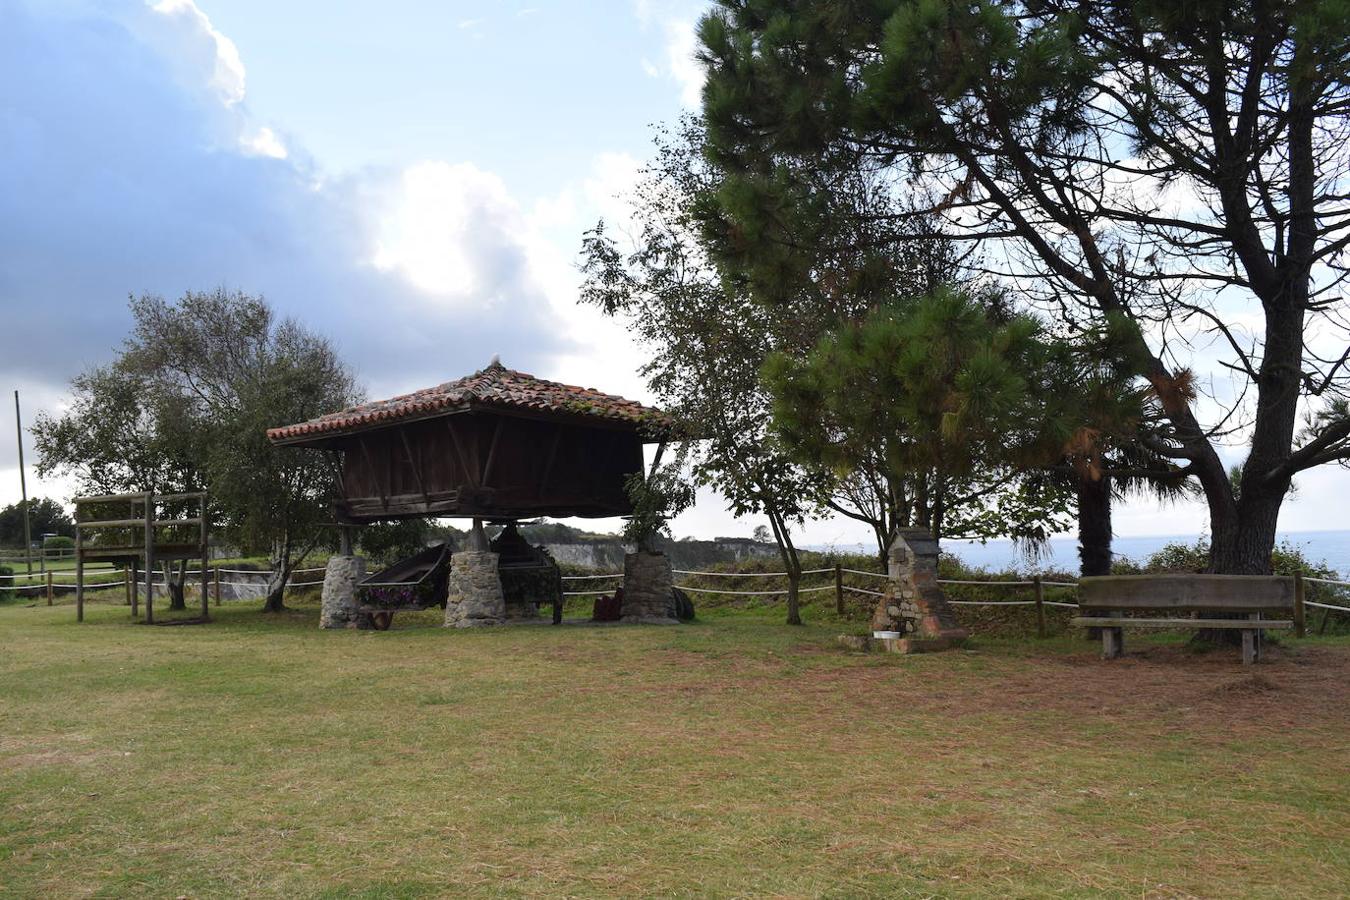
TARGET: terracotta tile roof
(495,386)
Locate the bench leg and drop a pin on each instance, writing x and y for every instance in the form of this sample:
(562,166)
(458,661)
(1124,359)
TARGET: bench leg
(1249,651)
(1113,642)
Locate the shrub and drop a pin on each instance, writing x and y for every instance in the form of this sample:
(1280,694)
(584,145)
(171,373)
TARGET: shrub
(6,583)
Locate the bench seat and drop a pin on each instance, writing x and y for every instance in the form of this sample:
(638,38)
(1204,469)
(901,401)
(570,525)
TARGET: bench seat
(1226,624)
(1237,601)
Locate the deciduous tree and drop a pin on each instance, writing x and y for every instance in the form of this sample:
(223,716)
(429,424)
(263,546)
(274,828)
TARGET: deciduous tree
(186,405)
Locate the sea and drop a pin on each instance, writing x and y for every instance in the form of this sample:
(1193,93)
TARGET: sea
(1331,547)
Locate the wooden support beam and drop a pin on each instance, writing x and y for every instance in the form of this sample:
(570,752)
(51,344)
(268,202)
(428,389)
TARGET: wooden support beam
(374,471)
(492,453)
(547,470)
(470,472)
(416,464)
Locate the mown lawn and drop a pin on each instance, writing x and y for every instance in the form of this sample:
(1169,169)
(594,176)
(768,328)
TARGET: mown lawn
(733,757)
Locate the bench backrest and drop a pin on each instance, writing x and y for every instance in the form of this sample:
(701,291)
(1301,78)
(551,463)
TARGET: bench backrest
(1200,593)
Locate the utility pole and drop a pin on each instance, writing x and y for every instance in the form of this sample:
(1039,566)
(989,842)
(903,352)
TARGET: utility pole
(23,489)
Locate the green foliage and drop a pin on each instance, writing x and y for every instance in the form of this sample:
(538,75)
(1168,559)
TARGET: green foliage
(388,542)
(952,399)
(58,542)
(657,497)
(707,340)
(6,584)
(45,516)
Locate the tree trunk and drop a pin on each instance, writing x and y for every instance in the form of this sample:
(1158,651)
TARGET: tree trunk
(791,564)
(1094,525)
(174,586)
(1242,545)
(281,573)
(794,608)
(1094,531)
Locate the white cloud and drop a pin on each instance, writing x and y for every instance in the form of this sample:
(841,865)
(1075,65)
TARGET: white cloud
(443,229)
(677,21)
(684,68)
(128,166)
(192,27)
(263,142)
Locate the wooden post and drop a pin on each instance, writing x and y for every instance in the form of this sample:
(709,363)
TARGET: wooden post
(206,612)
(49,587)
(838,589)
(217,571)
(1040,606)
(1299,614)
(149,558)
(79,567)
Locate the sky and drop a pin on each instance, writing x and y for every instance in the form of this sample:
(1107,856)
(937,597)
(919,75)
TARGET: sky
(411,179)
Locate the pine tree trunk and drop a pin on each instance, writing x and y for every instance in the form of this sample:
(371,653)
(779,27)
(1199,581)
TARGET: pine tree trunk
(1242,545)
(1094,526)
(1094,531)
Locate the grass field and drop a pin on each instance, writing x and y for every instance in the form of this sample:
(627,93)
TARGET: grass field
(732,757)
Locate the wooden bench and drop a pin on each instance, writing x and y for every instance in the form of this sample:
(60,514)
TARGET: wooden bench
(1240,600)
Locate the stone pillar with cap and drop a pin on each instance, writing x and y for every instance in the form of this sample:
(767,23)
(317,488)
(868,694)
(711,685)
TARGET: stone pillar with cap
(648,589)
(474,595)
(915,603)
(338,602)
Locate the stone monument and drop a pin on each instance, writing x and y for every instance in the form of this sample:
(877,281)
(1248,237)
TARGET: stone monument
(914,604)
(648,589)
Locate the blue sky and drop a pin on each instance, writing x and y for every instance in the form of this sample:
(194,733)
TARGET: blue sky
(410,178)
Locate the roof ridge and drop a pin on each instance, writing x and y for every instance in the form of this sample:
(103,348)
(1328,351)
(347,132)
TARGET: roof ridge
(494,385)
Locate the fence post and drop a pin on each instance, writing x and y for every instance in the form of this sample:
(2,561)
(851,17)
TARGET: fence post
(1299,621)
(1040,606)
(49,587)
(217,568)
(838,589)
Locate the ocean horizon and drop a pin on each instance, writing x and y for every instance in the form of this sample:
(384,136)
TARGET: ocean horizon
(1329,547)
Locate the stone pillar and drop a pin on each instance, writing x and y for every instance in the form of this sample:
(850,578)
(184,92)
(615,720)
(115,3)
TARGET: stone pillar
(475,591)
(914,603)
(338,609)
(648,589)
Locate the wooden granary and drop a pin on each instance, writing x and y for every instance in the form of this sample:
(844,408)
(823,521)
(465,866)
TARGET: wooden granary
(497,444)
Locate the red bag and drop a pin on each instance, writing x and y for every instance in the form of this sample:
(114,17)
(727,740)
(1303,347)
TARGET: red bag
(607,609)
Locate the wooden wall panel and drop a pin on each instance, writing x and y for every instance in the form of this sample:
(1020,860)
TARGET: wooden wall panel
(532,466)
